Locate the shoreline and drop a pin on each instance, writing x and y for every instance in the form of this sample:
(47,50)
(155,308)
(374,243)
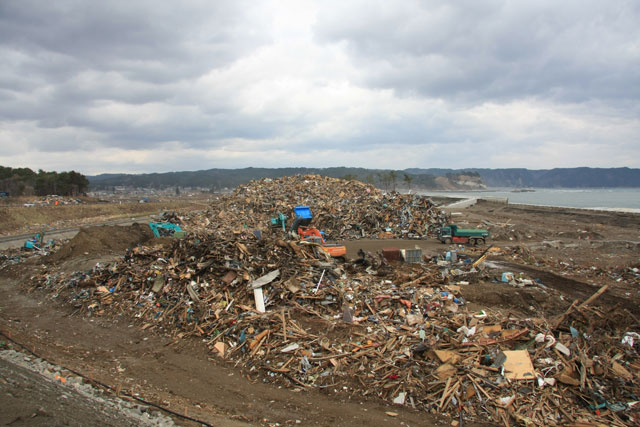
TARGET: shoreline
(596,209)
(442,199)
(528,189)
(607,200)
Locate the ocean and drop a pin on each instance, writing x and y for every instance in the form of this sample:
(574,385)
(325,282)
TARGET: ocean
(613,199)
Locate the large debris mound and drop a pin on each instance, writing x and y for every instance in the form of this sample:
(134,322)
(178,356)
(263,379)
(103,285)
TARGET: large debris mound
(343,209)
(101,240)
(369,329)
(402,333)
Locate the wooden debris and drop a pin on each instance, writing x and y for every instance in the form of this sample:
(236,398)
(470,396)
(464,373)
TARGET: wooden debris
(410,338)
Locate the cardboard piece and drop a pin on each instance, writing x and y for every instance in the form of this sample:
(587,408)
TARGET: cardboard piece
(447,356)
(220,347)
(518,366)
(445,371)
(568,377)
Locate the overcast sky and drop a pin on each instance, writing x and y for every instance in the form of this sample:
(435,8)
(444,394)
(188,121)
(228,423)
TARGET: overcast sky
(152,86)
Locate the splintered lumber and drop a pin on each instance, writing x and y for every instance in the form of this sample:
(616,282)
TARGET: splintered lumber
(565,314)
(593,297)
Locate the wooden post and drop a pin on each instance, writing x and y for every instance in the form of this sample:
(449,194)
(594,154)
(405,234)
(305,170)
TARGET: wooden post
(593,297)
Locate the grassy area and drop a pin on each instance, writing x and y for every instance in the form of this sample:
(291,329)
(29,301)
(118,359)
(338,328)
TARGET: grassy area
(22,219)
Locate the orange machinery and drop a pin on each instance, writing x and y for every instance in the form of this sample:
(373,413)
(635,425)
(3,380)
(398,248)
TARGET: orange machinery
(312,234)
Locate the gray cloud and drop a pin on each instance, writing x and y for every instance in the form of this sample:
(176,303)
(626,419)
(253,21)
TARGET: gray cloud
(144,40)
(501,50)
(246,83)
(68,57)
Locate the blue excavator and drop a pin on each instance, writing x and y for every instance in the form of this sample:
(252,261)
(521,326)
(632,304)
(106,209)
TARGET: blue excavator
(166,229)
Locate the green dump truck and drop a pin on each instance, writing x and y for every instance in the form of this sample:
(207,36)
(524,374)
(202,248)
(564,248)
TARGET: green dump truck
(452,234)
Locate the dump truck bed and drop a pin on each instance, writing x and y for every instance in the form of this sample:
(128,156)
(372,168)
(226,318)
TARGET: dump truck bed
(471,232)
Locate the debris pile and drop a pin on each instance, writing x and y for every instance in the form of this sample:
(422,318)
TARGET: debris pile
(53,200)
(286,311)
(96,240)
(342,209)
(10,257)
(628,275)
(403,334)
(33,248)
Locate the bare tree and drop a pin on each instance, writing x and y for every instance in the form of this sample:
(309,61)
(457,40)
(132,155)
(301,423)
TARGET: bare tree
(393,177)
(407,178)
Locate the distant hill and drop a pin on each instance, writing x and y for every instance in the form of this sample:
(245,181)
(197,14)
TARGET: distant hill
(218,179)
(550,178)
(441,179)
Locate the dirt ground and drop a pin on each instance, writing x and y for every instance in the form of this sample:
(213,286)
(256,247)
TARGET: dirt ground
(180,375)
(20,219)
(36,393)
(568,254)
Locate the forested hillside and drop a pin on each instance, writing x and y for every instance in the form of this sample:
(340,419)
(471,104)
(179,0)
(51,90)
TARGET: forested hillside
(217,179)
(24,181)
(436,179)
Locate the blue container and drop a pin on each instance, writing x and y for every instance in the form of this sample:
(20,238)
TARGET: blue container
(303,217)
(303,212)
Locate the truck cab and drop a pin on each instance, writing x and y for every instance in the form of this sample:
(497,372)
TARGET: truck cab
(445,234)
